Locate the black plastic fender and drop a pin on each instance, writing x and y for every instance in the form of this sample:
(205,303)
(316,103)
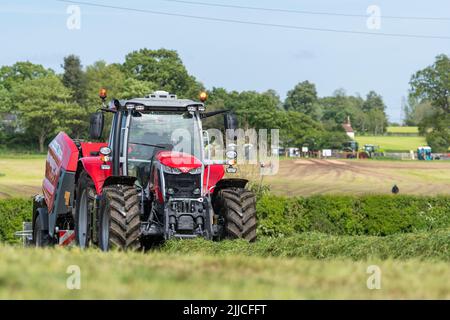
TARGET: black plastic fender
(230,183)
(40,209)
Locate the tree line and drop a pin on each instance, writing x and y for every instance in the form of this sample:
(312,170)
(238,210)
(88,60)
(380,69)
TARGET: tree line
(36,102)
(428,103)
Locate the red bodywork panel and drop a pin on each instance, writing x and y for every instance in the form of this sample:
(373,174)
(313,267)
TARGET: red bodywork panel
(62,154)
(180,160)
(88,147)
(93,166)
(215,175)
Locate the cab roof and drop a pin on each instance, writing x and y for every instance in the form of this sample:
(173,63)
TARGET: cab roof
(161,99)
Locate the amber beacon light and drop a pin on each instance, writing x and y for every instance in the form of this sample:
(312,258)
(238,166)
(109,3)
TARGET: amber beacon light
(203,96)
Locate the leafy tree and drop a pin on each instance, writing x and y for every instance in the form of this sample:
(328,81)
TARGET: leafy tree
(20,71)
(373,101)
(5,100)
(433,83)
(438,139)
(297,129)
(417,112)
(303,98)
(102,75)
(133,88)
(44,108)
(74,78)
(165,69)
(432,86)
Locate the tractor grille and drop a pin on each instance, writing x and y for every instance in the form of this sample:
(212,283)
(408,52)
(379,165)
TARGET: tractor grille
(183,184)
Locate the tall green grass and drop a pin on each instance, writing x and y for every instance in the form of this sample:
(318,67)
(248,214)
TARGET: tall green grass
(375,215)
(422,245)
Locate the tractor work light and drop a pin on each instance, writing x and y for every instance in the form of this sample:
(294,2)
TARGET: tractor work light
(105,153)
(196,170)
(231,154)
(191,108)
(203,96)
(231,170)
(102,93)
(170,170)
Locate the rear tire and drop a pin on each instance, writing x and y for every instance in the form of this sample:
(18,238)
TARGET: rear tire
(84,208)
(41,238)
(237,207)
(120,221)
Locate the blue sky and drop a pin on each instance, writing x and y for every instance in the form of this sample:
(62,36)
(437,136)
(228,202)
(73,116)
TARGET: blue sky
(236,56)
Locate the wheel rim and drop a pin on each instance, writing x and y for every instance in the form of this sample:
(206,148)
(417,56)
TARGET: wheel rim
(38,235)
(82,220)
(104,233)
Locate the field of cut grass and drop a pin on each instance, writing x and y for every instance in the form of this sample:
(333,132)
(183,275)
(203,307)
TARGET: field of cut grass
(42,274)
(402,129)
(306,177)
(394,143)
(21,175)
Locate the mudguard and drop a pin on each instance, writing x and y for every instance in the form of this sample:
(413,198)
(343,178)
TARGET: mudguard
(230,183)
(93,167)
(39,208)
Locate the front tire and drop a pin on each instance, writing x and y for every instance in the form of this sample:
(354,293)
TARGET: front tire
(119,223)
(237,208)
(84,208)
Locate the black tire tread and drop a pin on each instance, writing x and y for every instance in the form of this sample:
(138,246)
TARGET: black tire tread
(238,207)
(124,231)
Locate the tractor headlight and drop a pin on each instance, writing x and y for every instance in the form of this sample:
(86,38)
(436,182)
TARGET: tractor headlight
(196,170)
(170,170)
(231,154)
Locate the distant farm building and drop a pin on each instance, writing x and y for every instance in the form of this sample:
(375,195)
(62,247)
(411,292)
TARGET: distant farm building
(348,129)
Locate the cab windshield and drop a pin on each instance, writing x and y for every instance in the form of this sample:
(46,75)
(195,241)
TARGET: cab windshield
(152,131)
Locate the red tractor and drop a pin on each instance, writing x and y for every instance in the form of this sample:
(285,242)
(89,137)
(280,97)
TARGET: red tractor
(151,181)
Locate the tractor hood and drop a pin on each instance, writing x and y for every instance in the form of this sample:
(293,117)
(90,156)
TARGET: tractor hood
(180,160)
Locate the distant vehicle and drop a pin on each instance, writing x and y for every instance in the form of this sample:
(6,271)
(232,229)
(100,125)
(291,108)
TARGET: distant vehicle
(424,153)
(351,148)
(294,152)
(371,149)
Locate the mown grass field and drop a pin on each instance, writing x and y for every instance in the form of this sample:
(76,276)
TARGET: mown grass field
(402,129)
(300,265)
(392,143)
(174,273)
(22,176)
(313,176)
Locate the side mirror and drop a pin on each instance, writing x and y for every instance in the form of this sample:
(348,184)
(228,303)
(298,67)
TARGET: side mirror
(230,121)
(96,125)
